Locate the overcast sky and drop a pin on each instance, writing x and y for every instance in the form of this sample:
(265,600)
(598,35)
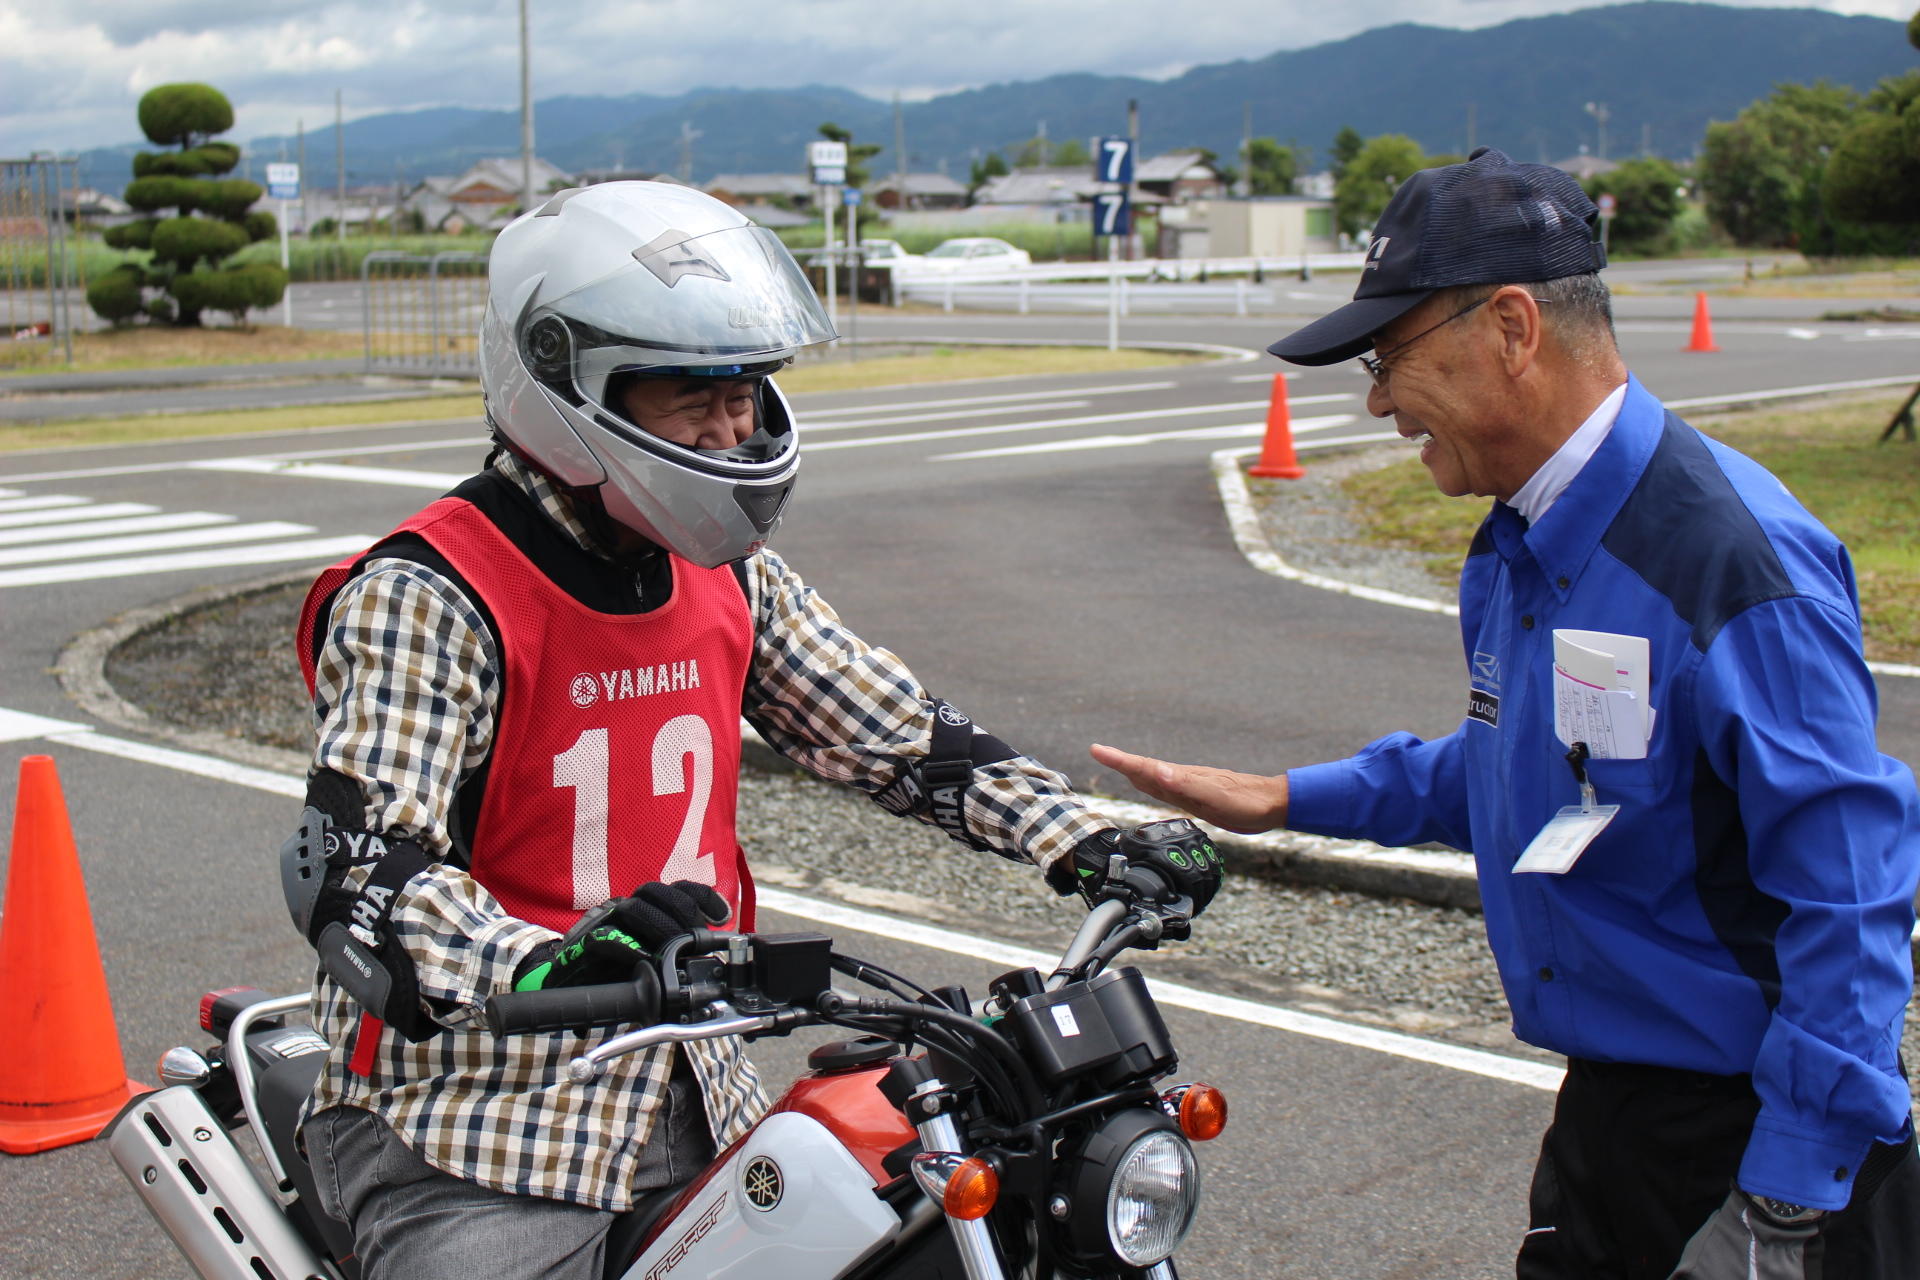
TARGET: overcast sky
(72,72)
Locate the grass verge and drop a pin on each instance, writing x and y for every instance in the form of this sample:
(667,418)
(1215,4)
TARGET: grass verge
(162,347)
(1826,454)
(938,364)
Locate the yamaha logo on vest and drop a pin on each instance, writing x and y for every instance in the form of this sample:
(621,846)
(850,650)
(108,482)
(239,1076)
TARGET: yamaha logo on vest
(634,682)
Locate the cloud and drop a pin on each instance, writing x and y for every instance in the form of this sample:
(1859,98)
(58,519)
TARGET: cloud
(71,75)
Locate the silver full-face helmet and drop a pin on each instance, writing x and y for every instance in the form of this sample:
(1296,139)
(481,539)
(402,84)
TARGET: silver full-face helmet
(630,279)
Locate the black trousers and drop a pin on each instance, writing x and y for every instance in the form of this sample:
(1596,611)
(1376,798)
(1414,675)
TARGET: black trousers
(1637,1158)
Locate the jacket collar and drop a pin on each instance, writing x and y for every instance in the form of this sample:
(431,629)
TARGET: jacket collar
(1566,536)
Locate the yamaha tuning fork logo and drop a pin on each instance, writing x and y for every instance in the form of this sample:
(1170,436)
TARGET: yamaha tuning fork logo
(762,1184)
(585,690)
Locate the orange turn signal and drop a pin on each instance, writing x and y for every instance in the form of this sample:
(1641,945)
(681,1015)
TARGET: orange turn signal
(972,1190)
(963,1188)
(1203,1112)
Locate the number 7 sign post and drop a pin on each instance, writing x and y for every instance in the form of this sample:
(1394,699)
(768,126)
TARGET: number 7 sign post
(1113,218)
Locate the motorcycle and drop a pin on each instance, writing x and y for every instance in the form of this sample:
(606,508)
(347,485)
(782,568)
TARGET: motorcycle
(1027,1137)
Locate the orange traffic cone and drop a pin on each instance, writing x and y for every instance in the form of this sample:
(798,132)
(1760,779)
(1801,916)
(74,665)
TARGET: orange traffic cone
(1276,453)
(62,1077)
(1702,326)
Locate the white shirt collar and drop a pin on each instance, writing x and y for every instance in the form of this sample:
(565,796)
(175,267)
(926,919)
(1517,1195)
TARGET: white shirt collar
(1540,491)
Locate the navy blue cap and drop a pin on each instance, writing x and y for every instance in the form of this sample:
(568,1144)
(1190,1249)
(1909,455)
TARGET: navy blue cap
(1488,221)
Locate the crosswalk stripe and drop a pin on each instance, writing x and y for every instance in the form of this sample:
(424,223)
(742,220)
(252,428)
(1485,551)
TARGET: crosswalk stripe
(1233,431)
(439,480)
(101,528)
(314,549)
(105,510)
(809,413)
(41,501)
(1042,424)
(154,542)
(809,427)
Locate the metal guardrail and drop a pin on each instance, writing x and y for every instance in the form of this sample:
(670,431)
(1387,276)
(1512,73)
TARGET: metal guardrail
(421,312)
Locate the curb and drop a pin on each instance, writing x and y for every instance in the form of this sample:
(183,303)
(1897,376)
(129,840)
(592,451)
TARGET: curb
(1433,876)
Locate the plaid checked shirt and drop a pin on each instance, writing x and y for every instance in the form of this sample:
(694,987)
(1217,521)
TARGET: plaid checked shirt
(406,687)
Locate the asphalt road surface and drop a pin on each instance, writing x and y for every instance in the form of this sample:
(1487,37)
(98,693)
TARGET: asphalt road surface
(1048,553)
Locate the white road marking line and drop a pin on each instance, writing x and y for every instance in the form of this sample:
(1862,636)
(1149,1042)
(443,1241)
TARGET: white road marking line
(41,502)
(9,493)
(154,542)
(201,766)
(808,427)
(22,726)
(19,726)
(104,511)
(100,528)
(812,414)
(1780,393)
(1805,335)
(1046,424)
(1237,431)
(355,451)
(440,480)
(1436,1053)
(319,550)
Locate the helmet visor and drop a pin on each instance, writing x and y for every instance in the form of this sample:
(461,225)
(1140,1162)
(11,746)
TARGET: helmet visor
(702,304)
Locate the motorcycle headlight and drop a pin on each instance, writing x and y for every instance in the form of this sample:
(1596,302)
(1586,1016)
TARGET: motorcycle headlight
(1151,1200)
(1134,1189)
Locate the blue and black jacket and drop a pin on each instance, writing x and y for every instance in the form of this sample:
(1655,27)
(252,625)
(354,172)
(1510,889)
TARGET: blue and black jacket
(1749,909)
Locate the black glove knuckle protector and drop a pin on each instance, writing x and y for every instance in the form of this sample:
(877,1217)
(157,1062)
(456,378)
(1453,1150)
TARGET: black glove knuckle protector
(1179,850)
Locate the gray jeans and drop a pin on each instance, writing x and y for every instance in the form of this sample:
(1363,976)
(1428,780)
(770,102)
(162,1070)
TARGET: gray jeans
(413,1222)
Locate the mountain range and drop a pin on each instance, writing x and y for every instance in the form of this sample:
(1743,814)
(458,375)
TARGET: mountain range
(1659,72)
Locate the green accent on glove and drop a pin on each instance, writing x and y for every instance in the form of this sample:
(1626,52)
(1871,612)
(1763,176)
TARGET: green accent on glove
(602,954)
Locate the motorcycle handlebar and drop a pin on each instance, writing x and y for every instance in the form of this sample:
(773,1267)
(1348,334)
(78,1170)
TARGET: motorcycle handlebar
(569,1008)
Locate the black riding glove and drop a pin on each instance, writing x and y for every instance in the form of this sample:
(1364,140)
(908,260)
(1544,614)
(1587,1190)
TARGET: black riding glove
(609,942)
(1176,848)
(1744,1241)
(658,913)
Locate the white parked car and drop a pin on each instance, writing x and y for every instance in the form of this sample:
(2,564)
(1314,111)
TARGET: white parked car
(888,253)
(971,254)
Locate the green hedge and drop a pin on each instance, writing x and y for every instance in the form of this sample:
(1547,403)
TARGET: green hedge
(1046,241)
(323,258)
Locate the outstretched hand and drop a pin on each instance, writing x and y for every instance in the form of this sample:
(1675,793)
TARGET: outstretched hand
(1243,802)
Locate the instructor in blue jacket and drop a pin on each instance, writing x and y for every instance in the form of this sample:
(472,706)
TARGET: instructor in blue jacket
(1698,871)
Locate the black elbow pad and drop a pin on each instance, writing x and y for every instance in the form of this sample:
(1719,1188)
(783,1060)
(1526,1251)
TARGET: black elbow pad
(935,787)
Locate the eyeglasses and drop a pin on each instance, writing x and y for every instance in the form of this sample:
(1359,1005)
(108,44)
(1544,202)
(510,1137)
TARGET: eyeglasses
(1376,365)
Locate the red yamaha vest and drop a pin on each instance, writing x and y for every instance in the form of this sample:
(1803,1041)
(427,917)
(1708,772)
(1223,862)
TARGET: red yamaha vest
(616,748)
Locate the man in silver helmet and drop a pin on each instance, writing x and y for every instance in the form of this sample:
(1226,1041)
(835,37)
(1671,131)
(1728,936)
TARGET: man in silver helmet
(528,702)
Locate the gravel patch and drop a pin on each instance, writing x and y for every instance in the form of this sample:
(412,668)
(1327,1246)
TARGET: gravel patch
(1310,524)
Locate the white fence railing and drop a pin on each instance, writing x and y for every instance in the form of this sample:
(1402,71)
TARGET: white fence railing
(1236,284)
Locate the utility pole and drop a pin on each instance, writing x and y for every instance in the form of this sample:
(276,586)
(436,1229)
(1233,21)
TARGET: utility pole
(1133,136)
(526,117)
(1472,110)
(1246,150)
(339,171)
(687,134)
(306,224)
(1598,110)
(899,155)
